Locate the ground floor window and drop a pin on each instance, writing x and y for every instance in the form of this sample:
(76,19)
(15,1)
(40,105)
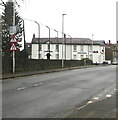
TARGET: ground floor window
(74,57)
(57,56)
(81,56)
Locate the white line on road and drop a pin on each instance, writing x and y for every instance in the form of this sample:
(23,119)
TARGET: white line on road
(96,98)
(33,85)
(36,84)
(22,88)
(108,95)
(89,102)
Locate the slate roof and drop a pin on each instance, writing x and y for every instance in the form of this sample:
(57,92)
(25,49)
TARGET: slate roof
(78,41)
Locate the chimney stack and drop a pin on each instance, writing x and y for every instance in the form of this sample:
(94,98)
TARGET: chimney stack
(109,42)
(33,35)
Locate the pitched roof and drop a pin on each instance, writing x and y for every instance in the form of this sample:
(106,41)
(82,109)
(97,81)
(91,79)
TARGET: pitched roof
(84,41)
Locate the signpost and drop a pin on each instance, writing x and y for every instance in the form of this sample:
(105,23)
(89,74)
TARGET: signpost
(12,32)
(13,48)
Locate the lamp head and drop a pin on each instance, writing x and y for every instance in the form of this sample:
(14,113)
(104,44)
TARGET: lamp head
(64,14)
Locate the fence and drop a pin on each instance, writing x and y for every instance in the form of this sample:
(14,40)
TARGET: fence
(23,65)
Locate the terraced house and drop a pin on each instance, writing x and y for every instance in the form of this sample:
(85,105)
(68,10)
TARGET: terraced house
(68,49)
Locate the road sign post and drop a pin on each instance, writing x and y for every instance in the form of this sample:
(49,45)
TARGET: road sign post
(13,48)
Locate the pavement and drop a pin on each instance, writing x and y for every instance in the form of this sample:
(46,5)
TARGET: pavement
(103,109)
(22,74)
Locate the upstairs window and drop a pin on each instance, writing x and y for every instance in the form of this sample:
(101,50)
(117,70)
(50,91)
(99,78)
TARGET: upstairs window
(48,47)
(90,47)
(75,48)
(57,47)
(81,48)
(82,56)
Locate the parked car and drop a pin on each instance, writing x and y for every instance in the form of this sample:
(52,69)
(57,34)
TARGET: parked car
(115,63)
(105,62)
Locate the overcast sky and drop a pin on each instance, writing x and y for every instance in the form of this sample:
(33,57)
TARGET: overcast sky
(84,18)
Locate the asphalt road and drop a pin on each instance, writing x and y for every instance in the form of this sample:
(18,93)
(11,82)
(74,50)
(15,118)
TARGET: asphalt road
(55,95)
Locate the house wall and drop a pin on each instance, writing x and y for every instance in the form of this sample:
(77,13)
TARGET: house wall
(69,52)
(34,51)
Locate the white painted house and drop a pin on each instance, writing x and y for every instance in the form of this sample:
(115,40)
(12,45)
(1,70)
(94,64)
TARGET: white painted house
(73,49)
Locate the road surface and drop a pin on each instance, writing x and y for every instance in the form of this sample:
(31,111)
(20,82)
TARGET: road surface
(55,95)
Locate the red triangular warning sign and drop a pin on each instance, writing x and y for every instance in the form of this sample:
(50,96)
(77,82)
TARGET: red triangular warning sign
(13,48)
(13,40)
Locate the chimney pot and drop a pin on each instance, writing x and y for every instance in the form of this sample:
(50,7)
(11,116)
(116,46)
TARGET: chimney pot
(33,35)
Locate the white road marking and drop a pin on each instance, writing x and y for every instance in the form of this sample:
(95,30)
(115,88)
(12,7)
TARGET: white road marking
(81,107)
(36,84)
(22,88)
(108,95)
(96,98)
(33,85)
(40,83)
(89,102)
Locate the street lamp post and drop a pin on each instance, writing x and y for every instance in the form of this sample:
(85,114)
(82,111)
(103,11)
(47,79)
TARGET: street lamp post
(13,25)
(38,36)
(57,40)
(57,34)
(49,41)
(38,32)
(62,38)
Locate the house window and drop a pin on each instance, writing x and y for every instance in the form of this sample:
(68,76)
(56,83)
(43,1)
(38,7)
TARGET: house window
(82,56)
(75,48)
(90,47)
(74,57)
(57,56)
(48,47)
(57,47)
(82,48)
